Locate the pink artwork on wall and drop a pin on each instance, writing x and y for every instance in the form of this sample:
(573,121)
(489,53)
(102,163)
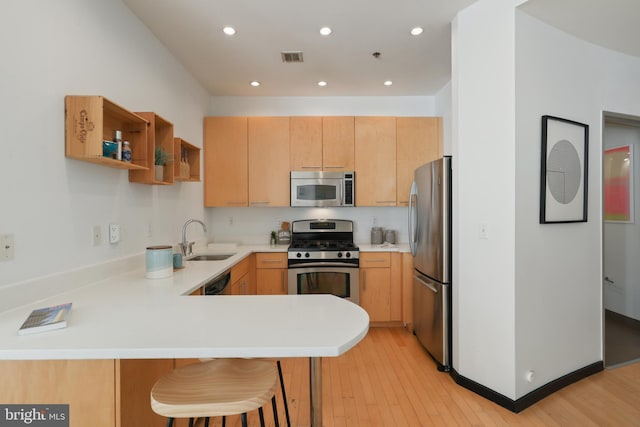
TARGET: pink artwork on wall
(618,184)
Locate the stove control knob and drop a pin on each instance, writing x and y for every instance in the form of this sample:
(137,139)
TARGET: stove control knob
(348,254)
(339,254)
(307,255)
(299,255)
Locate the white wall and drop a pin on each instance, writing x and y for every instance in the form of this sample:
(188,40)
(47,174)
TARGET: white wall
(559,266)
(322,106)
(622,240)
(252,225)
(444,110)
(50,203)
(483,135)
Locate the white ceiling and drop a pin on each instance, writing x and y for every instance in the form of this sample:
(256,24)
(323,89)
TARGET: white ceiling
(192,31)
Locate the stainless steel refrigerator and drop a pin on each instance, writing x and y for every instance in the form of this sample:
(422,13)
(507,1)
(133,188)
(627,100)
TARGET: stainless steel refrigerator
(430,242)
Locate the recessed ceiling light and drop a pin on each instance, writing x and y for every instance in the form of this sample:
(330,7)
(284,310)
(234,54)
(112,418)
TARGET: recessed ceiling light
(322,83)
(255,83)
(388,83)
(325,31)
(229,31)
(416,31)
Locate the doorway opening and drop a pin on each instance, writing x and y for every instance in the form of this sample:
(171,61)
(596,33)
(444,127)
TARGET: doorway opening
(621,237)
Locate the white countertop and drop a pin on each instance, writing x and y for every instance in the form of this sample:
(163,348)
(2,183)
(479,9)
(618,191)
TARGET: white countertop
(129,316)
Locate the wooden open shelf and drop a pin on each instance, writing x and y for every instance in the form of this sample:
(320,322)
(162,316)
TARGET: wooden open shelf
(159,134)
(90,120)
(193,157)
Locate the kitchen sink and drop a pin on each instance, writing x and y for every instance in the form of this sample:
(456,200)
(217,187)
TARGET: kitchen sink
(210,257)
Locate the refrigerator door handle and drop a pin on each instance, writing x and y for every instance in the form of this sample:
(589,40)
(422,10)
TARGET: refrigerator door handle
(427,284)
(413,219)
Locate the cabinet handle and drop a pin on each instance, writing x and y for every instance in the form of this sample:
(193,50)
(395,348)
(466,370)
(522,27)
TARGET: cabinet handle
(364,280)
(385,202)
(244,288)
(311,167)
(334,167)
(270,261)
(282,281)
(375,260)
(233,202)
(259,203)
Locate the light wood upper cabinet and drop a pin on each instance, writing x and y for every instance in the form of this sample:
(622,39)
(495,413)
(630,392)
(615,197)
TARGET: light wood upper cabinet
(418,141)
(226,178)
(306,143)
(269,161)
(375,161)
(322,144)
(338,143)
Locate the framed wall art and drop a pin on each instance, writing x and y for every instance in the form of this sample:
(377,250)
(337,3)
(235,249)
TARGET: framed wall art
(618,184)
(564,171)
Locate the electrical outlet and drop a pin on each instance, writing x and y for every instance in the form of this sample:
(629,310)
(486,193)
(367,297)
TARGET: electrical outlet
(374,221)
(148,230)
(114,233)
(6,247)
(97,235)
(484,231)
(230,220)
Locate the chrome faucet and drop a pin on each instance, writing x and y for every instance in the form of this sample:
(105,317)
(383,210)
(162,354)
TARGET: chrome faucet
(187,247)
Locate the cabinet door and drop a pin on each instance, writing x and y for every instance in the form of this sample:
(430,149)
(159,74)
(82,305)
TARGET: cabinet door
(338,143)
(306,143)
(271,281)
(419,141)
(225,162)
(375,161)
(240,286)
(269,161)
(375,293)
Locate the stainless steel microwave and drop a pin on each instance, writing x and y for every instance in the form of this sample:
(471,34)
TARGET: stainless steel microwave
(322,189)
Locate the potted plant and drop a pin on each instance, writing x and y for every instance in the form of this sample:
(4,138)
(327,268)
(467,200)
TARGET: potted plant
(161,159)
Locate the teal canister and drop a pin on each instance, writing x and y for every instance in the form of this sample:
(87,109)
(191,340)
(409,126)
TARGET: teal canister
(159,260)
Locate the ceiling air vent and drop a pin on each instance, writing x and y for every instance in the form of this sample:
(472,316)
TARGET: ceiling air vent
(292,56)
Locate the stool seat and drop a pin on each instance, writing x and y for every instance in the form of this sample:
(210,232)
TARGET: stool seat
(217,387)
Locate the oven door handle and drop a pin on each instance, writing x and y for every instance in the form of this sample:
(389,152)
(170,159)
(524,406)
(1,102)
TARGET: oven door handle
(324,264)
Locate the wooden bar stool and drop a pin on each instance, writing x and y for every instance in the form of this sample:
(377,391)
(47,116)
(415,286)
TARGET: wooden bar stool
(215,388)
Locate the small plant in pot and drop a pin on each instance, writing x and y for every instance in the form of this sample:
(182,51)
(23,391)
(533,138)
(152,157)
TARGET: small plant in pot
(161,159)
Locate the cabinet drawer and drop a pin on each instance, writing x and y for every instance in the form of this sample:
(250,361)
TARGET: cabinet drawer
(375,259)
(240,269)
(271,260)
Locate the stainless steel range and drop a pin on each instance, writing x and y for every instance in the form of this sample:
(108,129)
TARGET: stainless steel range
(323,259)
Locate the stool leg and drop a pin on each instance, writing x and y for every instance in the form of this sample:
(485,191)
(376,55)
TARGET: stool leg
(224,421)
(261,414)
(190,422)
(170,422)
(206,422)
(284,394)
(244,420)
(275,411)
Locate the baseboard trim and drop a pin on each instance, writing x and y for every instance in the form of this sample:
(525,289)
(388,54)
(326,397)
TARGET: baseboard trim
(529,399)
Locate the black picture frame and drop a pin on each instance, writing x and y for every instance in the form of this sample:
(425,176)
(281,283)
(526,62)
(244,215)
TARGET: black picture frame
(564,171)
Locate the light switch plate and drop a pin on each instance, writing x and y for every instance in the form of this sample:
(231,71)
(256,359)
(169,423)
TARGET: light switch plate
(114,233)
(6,247)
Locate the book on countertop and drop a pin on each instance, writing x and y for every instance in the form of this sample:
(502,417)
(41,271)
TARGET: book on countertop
(46,319)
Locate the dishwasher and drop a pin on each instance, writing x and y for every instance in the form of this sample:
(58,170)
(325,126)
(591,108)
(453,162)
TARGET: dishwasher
(217,285)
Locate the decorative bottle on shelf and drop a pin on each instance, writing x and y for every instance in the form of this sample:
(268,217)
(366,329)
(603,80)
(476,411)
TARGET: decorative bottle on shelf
(118,140)
(126,152)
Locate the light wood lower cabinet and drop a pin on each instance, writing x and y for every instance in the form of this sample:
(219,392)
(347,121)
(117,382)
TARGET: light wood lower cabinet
(271,273)
(242,282)
(87,386)
(381,286)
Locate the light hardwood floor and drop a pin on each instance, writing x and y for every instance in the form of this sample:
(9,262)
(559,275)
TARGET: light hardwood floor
(388,380)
